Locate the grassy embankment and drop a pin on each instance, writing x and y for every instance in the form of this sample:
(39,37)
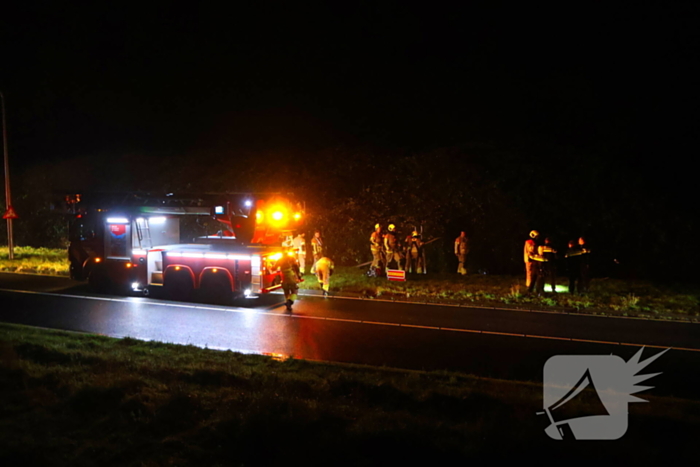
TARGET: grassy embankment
(78,399)
(35,260)
(607,296)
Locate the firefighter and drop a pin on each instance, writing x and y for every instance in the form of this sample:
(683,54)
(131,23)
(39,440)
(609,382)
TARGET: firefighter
(316,249)
(324,271)
(461,250)
(550,265)
(299,246)
(414,253)
(532,261)
(375,246)
(392,249)
(291,276)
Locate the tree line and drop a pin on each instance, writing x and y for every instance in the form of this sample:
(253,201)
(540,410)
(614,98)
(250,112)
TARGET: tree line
(497,195)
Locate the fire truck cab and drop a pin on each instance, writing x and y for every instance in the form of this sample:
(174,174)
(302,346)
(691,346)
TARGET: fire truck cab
(213,246)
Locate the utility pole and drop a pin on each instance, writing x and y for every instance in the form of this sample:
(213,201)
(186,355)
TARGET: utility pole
(9,212)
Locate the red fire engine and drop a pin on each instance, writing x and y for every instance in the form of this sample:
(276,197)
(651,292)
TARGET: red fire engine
(223,246)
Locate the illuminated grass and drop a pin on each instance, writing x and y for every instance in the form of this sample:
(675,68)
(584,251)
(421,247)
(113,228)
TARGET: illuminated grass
(35,260)
(617,297)
(78,399)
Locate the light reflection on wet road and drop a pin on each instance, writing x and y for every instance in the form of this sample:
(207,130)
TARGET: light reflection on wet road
(354,331)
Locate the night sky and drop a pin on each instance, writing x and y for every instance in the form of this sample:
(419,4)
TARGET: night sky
(165,79)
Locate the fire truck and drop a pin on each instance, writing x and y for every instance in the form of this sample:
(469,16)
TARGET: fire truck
(220,246)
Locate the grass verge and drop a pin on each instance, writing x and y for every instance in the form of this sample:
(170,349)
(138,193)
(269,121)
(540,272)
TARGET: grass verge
(35,260)
(606,297)
(78,399)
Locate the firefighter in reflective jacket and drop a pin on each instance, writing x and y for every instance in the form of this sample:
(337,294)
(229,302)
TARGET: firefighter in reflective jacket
(461,250)
(549,267)
(375,246)
(532,261)
(324,271)
(316,249)
(414,253)
(291,276)
(299,246)
(391,248)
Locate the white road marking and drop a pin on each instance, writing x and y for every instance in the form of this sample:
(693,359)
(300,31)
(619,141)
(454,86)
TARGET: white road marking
(153,302)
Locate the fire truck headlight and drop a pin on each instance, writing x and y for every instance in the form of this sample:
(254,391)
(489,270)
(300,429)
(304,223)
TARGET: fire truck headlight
(135,286)
(246,293)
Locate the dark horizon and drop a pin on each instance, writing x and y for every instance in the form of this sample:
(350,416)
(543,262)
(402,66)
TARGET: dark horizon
(103,80)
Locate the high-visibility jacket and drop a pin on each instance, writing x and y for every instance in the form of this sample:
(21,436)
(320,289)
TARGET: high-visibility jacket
(375,241)
(317,246)
(289,268)
(461,246)
(299,244)
(391,243)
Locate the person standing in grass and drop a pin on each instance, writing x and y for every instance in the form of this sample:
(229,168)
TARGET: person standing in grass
(324,271)
(550,266)
(316,249)
(300,250)
(392,249)
(461,250)
(414,253)
(376,248)
(532,261)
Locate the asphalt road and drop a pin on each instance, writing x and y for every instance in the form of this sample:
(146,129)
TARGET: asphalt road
(487,342)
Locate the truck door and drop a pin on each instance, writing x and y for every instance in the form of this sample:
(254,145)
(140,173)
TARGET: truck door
(118,238)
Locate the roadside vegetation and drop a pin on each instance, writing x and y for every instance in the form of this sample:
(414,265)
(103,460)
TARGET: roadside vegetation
(607,296)
(79,399)
(35,260)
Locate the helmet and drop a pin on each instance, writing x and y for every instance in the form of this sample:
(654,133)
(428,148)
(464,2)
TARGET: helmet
(534,234)
(376,226)
(391,227)
(414,234)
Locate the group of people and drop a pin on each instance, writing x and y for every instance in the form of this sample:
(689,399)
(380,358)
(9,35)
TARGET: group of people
(541,259)
(293,267)
(389,252)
